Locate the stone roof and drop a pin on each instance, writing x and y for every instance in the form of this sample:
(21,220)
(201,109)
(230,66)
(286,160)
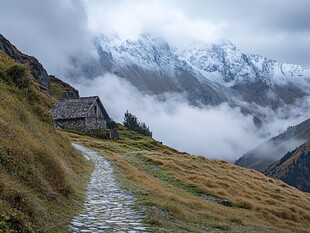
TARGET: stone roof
(75,108)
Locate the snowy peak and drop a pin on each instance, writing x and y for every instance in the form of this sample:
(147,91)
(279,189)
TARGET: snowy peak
(228,64)
(221,61)
(214,60)
(206,73)
(147,53)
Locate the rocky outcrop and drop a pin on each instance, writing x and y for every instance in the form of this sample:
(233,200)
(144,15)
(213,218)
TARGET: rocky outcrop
(37,70)
(47,81)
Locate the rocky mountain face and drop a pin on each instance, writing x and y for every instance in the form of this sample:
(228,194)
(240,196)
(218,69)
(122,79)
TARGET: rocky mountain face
(37,70)
(275,148)
(293,168)
(153,67)
(207,74)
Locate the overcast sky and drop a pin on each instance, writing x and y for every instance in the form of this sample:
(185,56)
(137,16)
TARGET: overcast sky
(52,30)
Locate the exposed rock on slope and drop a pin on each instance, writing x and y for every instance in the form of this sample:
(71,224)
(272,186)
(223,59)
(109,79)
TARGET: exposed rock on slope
(276,147)
(59,88)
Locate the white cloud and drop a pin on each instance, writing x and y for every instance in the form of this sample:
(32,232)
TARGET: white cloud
(216,132)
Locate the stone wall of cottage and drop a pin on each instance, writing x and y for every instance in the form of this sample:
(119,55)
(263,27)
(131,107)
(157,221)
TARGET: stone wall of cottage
(74,124)
(86,124)
(94,123)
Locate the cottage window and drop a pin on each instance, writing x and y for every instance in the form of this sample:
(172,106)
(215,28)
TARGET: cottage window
(95,110)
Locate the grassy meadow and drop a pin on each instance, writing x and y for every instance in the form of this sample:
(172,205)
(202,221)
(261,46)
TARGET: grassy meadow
(184,193)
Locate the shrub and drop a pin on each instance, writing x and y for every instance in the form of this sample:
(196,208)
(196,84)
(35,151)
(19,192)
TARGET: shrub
(18,75)
(131,122)
(14,222)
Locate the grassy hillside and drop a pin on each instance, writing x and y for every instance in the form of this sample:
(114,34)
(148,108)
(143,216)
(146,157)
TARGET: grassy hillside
(41,175)
(183,193)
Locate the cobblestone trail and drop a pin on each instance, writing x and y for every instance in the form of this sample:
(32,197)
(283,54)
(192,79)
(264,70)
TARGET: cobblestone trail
(107,208)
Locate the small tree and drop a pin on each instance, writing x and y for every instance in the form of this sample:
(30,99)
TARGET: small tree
(18,75)
(131,122)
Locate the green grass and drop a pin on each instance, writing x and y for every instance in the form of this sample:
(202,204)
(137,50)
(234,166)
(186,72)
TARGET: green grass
(56,90)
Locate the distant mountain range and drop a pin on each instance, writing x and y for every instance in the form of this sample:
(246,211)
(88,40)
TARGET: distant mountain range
(207,74)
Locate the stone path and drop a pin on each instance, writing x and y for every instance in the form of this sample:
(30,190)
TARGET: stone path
(107,208)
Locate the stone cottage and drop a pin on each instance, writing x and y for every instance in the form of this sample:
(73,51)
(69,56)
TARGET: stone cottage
(83,114)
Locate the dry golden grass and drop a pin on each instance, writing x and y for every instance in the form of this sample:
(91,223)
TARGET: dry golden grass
(42,178)
(173,186)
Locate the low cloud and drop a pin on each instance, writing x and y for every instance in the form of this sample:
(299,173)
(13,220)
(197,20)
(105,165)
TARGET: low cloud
(220,132)
(276,150)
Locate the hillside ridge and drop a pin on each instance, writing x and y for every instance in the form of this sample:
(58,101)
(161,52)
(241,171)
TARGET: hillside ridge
(293,168)
(276,147)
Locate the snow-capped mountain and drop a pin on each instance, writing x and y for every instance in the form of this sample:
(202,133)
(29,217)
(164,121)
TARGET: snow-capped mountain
(228,64)
(206,73)
(154,67)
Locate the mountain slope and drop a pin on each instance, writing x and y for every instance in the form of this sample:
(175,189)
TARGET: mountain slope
(208,74)
(255,78)
(41,176)
(293,168)
(185,193)
(276,147)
